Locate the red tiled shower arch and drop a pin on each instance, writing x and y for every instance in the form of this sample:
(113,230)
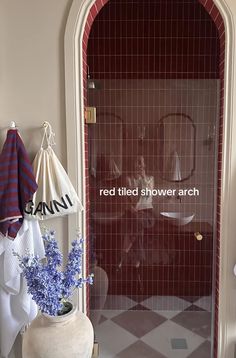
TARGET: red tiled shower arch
(218,20)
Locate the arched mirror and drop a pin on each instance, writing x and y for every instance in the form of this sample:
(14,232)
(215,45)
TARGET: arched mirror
(178,149)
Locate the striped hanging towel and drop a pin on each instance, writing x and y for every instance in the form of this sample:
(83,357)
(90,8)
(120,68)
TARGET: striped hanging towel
(17,184)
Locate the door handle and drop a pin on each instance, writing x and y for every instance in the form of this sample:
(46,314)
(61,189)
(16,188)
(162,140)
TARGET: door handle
(198,236)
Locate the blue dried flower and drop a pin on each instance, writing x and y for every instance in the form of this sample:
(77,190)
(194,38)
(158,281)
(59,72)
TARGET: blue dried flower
(48,285)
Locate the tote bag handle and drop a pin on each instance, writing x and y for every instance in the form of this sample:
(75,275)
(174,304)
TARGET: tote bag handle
(48,135)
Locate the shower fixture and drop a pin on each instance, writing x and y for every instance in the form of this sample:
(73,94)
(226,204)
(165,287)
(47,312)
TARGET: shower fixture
(92,84)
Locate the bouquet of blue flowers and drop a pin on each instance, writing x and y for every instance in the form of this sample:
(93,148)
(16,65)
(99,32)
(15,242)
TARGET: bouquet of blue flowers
(49,286)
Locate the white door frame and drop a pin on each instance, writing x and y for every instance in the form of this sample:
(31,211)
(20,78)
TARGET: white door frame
(76,151)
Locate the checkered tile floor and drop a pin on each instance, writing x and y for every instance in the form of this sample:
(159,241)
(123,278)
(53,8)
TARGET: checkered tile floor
(155,327)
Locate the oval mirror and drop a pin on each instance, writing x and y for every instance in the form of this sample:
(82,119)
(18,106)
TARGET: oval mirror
(178,146)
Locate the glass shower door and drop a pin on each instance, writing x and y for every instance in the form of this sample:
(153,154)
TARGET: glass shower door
(152,178)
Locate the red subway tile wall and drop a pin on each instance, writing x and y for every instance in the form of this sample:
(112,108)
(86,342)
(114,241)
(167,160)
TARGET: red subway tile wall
(139,46)
(176,49)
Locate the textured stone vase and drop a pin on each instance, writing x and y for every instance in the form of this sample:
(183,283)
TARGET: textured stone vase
(67,336)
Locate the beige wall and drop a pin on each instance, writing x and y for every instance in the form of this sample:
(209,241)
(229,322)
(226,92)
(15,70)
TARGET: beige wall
(32,90)
(32,79)
(32,75)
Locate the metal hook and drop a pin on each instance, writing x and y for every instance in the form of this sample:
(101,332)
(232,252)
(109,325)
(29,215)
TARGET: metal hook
(13,125)
(45,124)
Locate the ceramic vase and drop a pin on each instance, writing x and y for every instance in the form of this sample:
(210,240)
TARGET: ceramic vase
(67,336)
(98,293)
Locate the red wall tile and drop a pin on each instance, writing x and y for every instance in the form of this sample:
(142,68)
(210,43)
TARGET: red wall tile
(169,59)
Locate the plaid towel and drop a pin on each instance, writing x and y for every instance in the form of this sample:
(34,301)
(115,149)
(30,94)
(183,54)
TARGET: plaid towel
(17,184)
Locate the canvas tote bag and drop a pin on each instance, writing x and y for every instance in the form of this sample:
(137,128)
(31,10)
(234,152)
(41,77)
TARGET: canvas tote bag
(55,195)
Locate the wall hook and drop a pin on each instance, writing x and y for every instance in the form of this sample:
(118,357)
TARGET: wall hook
(13,125)
(45,124)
